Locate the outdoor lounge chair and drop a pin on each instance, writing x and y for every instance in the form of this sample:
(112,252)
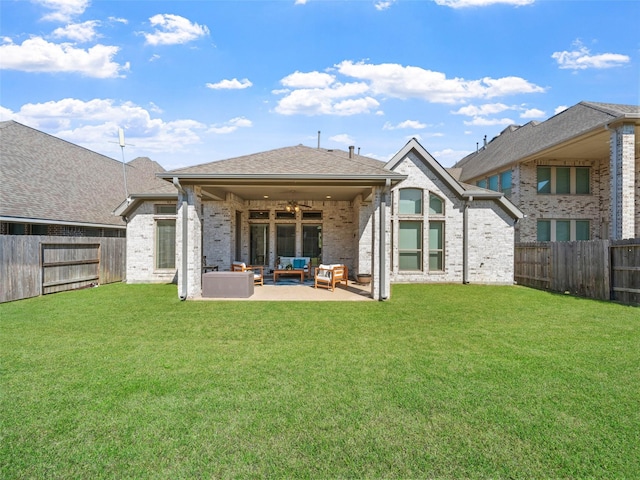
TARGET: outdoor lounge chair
(258,271)
(327,276)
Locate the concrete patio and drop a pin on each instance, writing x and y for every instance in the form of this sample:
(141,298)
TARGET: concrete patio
(304,292)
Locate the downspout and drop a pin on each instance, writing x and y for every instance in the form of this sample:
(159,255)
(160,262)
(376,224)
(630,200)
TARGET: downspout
(613,162)
(383,242)
(465,241)
(185,235)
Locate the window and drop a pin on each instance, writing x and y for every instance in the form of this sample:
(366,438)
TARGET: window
(436,246)
(311,215)
(410,245)
(582,181)
(493,183)
(544,180)
(166,243)
(259,241)
(563,230)
(258,215)
(564,180)
(500,182)
(582,230)
(166,209)
(505,182)
(544,231)
(284,215)
(436,205)
(286,240)
(410,201)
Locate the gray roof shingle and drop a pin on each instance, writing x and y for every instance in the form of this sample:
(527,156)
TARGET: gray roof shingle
(296,160)
(515,143)
(44,177)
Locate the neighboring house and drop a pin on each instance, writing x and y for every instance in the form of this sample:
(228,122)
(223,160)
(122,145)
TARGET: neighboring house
(406,221)
(49,186)
(576,176)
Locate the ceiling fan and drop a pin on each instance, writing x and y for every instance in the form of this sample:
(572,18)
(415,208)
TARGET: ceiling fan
(293,206)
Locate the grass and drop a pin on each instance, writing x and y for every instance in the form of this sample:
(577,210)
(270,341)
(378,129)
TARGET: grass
(441,381)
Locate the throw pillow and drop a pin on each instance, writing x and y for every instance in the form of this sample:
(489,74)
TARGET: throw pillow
(298,263)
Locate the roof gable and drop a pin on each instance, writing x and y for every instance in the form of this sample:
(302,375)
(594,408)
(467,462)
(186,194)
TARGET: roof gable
(461,190)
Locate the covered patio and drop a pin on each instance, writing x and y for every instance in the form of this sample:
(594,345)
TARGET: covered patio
(327,207)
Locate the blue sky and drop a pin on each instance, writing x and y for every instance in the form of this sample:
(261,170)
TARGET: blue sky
(196,81)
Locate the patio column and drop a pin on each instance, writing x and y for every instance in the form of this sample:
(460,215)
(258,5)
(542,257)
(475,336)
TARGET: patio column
(622,187)
(188,243)
(381,258)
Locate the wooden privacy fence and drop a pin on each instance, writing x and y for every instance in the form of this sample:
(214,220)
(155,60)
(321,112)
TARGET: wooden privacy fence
(32,265)
(599,269)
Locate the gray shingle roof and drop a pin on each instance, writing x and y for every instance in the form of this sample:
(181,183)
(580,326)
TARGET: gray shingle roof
(516,143)
(44,177)
(297,160)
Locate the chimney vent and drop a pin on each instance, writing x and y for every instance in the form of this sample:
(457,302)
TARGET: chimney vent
(351,149)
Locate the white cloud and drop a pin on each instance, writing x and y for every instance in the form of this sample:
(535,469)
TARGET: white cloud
(319,93)
(447,157)
(119,20)
(482,110)
(233,84)
(532,113)
(308,80)
(231,126)
(343,138)
(416,125)
(78,32)
(63,10)
(581,58)
(334,100)
(94,124)
(384,4)
(481,3)
(559,109)
(38,55)
(173,30)
(300,2)
(414,82)
(488,122)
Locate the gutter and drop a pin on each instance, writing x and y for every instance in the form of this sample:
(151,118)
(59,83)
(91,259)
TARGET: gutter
(383,272)
(465,241)
(185,236)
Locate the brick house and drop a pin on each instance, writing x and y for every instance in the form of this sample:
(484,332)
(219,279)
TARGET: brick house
(576,176)
(408,220)
(49,186)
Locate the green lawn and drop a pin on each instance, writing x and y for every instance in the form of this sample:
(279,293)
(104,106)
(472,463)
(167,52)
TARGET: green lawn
(441,381)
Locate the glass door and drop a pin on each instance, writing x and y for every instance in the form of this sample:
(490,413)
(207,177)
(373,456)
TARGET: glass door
(312,243)
(259,238)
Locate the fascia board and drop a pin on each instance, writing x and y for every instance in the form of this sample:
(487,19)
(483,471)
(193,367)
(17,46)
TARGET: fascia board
(46,221)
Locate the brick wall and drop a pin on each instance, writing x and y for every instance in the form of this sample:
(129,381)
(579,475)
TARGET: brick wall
(491,233)
(141,247)
(557,207)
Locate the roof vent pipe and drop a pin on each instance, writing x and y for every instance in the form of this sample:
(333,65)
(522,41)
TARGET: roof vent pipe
(318,139)
(351,149)
(485,141)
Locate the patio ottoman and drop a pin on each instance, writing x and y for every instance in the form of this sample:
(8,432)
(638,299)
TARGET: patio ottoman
(227,284)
